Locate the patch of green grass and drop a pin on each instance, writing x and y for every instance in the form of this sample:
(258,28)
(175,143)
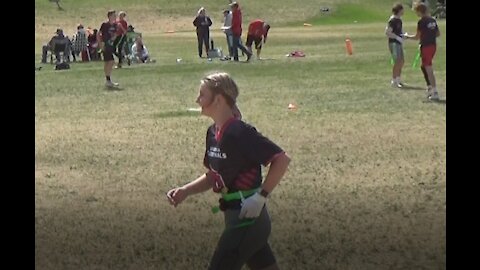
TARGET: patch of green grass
(365,190)
(356,13)
(366,186)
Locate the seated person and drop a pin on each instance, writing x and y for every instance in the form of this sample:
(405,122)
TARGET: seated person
(131,36)
(139,50)
(60,41)
(79,42)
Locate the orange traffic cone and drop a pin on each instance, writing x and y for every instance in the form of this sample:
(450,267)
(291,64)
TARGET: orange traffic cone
(348,45)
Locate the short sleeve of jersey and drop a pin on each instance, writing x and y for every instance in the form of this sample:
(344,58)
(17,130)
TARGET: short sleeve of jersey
(256,147)
(396,25)
(420,26)
(103,28)
(391,23)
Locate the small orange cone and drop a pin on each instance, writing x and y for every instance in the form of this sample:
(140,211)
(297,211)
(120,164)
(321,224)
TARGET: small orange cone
(348,45)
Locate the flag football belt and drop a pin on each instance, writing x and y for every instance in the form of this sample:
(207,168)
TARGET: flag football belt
(239,195)
(233,201)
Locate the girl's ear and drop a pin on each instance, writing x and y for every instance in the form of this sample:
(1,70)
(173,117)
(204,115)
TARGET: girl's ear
(216,100)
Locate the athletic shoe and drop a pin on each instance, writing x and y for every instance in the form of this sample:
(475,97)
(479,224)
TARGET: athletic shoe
(111,84)
(396,84)
(118,66)
(429,91)
(434,96)
(249,56)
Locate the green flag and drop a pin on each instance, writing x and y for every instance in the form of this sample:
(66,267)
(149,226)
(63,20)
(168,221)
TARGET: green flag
(417,59)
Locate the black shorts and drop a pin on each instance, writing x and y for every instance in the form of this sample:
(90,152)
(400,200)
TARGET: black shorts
(245,245)
(108,53)
(257,40)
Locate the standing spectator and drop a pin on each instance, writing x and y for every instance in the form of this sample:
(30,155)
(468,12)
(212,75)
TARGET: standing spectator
(203,23)
(120,40)
(93,45)
(257,32)
(227,29)
(79,42)
(105,38)
(237,32)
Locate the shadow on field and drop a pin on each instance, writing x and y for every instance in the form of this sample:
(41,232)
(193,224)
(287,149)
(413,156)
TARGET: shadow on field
(441,101)
(112,89)
(182,113)
(412,87)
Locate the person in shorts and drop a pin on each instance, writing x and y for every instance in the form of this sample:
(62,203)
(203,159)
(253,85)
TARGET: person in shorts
(395,44)
(427,33)
(106,37)
(257,33)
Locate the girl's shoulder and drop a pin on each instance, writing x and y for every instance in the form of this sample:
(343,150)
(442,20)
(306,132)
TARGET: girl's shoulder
(239,128)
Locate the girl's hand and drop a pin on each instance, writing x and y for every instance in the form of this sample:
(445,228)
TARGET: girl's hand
(177,195)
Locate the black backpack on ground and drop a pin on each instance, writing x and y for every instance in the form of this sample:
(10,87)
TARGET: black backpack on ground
(63,65)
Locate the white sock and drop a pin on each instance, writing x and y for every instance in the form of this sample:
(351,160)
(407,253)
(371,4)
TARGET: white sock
(398,79)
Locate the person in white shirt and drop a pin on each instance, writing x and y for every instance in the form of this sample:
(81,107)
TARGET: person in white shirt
(227,29)
(140,51)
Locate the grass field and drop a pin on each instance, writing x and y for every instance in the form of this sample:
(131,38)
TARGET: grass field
(366,186)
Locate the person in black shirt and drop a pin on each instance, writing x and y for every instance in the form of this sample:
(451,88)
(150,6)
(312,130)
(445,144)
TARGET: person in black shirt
(395,40)
(233,157)
(427,33)
(203,23)
(106,37)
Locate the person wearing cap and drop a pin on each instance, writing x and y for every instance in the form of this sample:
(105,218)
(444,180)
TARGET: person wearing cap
(122,26)
(105,37)
(237,32)
(202,22)
(233,157)
(58,39)
(257,32)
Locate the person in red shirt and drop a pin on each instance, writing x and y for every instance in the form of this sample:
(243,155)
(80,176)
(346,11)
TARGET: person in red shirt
(257,32)
(237,32)
(121,31)
(427,33)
